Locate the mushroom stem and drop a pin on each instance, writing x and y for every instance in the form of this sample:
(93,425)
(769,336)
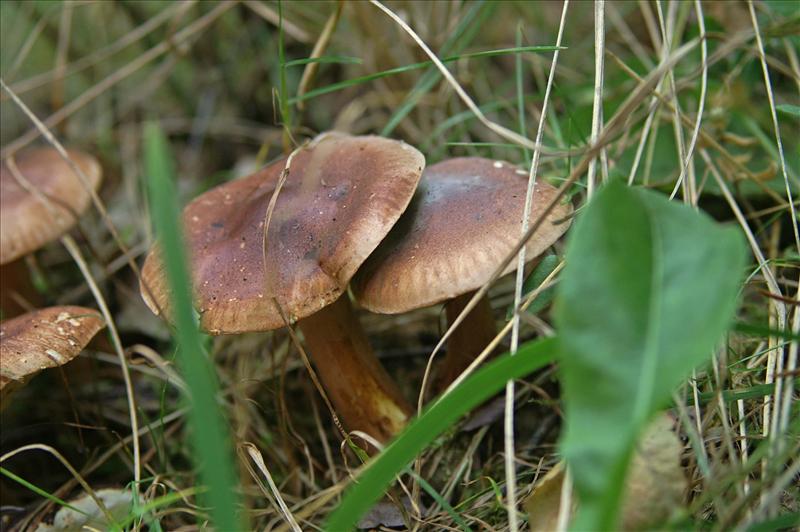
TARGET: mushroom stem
(470,338)
(363,394)
(17,293)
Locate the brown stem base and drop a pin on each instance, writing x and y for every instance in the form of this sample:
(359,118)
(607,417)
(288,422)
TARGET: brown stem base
(362,393)
(468,340)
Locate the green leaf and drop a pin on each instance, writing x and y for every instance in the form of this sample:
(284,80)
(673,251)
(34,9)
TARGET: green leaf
(782,522)
(434,421)
(764,330)
(789,109)
(649,288)
(209,433)
(753,392)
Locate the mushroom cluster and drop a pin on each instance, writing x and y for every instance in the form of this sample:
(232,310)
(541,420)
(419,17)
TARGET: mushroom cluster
(340,198)
(283,244)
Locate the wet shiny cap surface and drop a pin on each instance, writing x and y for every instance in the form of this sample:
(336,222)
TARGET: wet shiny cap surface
(26,222)
(465,218)
(341,197)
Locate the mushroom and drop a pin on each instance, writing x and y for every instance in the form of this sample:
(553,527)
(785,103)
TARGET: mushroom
(341,196)
(28,223)
(463,221)
(42,339)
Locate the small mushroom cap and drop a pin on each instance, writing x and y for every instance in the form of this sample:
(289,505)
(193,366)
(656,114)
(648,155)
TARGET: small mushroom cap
(43,339)
(465,218)
(341,197)
(26,222)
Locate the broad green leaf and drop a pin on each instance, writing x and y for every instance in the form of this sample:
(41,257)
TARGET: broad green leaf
(211,443)
(649,288)
(435,420)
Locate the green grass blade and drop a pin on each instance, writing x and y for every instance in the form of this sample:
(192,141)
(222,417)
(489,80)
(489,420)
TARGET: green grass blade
(157,503)
(462,35)
(441,501)
(338,59)
(486,145)
(789,109)
(211,444)
(39,491)
(788,521)
(456,119)
(753,392)
(434,421)
(407,68)
(761,330)
(284,95)
(523,127)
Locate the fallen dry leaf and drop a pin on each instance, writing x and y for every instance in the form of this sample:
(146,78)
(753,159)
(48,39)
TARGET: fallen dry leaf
(655,486)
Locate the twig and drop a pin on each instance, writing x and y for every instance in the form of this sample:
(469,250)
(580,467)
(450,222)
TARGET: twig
(597,105)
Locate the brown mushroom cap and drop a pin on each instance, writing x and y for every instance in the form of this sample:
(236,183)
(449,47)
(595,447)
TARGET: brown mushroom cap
(27,223)
(464,220)
(43,339)
(341,197)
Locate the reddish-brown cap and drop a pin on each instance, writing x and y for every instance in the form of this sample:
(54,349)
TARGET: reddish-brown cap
(26,222)
(43,339)
(465,218)
(341,197)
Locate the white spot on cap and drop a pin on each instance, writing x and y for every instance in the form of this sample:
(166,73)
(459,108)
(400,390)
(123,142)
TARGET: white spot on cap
(498,164)
(56,356)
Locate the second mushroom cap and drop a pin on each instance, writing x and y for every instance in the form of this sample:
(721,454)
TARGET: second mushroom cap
(464,220)
(26,222)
